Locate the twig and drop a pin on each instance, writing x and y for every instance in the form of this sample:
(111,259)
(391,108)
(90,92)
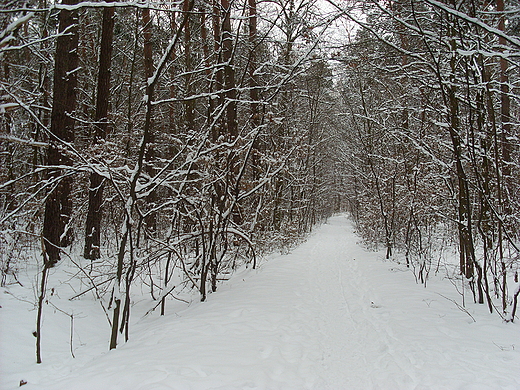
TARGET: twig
(461,308)
(93,284)
(20,299)
(71,326)
(91,288)
(164,296)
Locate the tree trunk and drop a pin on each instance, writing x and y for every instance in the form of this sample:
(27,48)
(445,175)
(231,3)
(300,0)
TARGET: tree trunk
(151,220)
(231,103)
(41,298)
(505,118)
(229,72)
(505,102)
(58,207)
(253,89)
(94,214)
(467,251)
(117,287)
(219,78)
(171,110)
(189,104)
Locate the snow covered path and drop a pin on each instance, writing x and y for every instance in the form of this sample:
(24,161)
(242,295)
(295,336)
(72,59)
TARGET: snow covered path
(330,315)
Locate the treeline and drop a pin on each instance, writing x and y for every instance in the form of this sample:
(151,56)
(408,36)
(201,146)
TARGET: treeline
(431,105)
(167,143)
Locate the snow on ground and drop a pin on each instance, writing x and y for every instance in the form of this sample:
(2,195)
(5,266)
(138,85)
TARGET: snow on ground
(329,315)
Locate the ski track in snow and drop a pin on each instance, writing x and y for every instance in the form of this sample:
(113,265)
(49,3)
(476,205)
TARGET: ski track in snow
(329,315)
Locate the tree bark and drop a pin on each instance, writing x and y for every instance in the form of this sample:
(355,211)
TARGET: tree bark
(505,118)
(229,72)
(58,207)
(189,104)
(219,77)
(151,220)
(253,88)
(94,214)
(505,102)
(231,125)
(41,298)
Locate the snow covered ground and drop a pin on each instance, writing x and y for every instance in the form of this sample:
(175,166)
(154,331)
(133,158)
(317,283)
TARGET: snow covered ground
(329,315)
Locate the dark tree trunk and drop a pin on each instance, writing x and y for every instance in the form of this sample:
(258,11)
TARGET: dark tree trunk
(189,105)
(231,103)
(147,45)
(41,298)
(219,77)
(467,252)
(94,214)
(150,220)
(58,207)
(229,72)
(505,118)
(253,85)
(171,111)
(505,102)
(119,275)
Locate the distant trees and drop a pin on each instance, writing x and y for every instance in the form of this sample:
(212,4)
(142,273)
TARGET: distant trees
(431,132)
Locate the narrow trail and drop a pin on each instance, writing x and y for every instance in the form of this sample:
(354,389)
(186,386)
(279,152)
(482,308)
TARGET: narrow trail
(355,340)
(329,315)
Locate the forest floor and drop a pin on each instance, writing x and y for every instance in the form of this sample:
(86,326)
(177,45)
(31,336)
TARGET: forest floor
(328,315)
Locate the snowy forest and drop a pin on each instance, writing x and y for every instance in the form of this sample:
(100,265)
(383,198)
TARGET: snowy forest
(159,146)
